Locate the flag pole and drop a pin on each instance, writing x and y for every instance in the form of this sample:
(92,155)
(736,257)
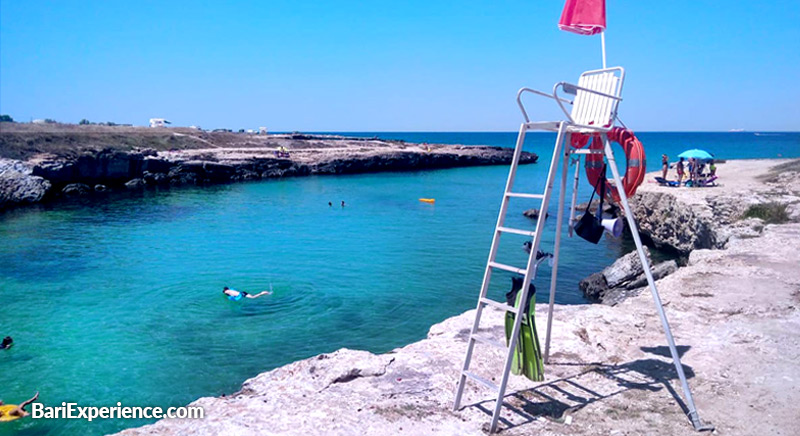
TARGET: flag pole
(603,43)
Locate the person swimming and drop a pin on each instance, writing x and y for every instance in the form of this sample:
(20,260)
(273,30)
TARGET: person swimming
(7,343)
(10,412)
(235,295)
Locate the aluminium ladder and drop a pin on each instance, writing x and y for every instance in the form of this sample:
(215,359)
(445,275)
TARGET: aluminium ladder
(529,272)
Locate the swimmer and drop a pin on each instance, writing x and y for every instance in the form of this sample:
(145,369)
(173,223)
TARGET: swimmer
(17,411)
(235,295)
(7,343)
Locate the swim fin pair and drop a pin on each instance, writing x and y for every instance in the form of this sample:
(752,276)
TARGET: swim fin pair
(527,358)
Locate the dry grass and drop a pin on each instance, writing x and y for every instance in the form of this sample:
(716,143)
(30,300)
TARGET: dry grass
(771,213)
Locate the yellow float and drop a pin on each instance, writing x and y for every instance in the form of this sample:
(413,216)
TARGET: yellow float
(5,409)
(428,200)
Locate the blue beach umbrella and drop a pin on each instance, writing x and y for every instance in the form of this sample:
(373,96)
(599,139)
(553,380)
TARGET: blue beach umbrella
(696,153)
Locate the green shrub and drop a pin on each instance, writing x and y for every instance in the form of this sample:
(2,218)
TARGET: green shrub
(6,118)
(771,213)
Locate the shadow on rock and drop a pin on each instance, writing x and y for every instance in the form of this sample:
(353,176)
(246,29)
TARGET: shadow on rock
(558,399)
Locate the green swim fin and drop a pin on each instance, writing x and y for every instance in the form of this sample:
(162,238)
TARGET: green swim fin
(527,358)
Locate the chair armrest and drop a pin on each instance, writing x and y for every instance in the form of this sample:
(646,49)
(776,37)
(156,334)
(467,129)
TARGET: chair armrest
(569,88)
(539,93)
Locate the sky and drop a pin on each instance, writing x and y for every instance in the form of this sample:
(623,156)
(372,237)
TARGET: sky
(435,65)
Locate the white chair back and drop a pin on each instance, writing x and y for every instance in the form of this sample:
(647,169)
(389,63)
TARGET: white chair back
(596,110)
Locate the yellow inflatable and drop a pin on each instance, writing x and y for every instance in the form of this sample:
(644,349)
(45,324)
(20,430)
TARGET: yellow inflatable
(428,200)
(5,409)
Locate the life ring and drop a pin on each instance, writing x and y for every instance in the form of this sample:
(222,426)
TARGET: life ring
(635,167)
(6,409)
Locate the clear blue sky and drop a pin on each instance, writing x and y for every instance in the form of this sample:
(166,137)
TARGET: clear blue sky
(388,66)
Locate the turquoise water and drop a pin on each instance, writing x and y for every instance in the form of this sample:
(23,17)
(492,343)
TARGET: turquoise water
(120,300)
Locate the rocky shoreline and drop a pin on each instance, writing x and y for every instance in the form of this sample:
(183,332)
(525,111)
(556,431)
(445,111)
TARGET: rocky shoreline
(733,310)
(44,172)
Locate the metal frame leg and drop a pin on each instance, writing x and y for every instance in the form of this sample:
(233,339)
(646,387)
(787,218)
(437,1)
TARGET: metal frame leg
(557,246)
(693,415)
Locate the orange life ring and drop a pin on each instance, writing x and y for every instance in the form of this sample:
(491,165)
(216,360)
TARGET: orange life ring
(635,167)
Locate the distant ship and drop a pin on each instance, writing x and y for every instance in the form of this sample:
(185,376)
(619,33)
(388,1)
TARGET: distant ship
(736,130)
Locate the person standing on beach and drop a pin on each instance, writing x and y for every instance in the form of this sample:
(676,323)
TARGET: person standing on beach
(679,170)
(664,166)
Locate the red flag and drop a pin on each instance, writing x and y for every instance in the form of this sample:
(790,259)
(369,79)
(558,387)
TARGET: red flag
(585,17)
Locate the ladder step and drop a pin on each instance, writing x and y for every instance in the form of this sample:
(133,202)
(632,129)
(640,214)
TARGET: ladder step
(508,268)
(517,231)
(488,341)
(521,195)
(482,381)
(499,305)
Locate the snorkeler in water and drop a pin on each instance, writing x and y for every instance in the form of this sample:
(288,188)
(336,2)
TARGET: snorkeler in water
(235,295)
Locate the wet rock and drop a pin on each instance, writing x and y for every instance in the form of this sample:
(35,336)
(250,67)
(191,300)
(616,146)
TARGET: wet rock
(57,172)
(76,190)
(534,213)
(594,287)
(155,165)
(610,210)
(135,184)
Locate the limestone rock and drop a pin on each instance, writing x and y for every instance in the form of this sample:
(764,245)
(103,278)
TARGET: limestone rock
(672,225)
(658,271)
(18,185)
(625,269)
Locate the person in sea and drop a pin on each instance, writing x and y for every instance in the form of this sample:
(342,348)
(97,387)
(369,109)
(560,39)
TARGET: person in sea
(235,295)
(16,411)
(342,203)
(664,166)
(679,170)
(7,343)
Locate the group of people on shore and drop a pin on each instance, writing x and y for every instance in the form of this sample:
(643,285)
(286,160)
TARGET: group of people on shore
(697,172)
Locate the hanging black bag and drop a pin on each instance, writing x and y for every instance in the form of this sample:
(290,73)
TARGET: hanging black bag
(590,227)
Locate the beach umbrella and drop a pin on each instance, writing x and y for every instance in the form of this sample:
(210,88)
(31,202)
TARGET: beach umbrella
(585,17)
(696,153)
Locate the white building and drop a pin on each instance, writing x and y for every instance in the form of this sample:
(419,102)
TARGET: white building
(158,122)
(262,130)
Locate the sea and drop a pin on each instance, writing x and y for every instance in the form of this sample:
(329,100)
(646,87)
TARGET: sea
(120,299)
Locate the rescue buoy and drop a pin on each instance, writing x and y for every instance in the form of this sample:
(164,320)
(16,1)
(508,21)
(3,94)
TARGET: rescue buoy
(428,200)
(635,167)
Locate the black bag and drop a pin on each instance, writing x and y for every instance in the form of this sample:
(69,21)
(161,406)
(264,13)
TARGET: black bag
(590,227)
